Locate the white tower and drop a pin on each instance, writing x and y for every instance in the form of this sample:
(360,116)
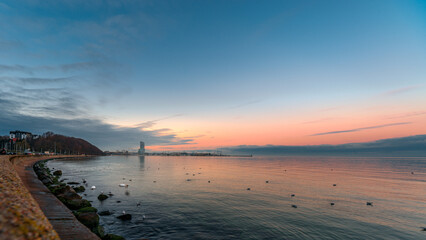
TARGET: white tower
(142,149)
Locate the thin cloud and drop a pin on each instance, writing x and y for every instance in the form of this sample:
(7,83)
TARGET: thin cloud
(196,136)
(38,80)
(361,129)
(404,146)
(16,68)
(58,102)
(151,123)
(10,45)
(4,6)
(77,66)
(400,90)
(406,115)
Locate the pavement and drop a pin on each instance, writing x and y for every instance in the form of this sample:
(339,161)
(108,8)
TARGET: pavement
(60,217)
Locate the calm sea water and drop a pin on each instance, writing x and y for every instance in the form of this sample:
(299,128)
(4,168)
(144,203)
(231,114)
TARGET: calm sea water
(178,202)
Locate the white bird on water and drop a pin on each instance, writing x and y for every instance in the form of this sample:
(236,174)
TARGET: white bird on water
(124,212)
(93,187)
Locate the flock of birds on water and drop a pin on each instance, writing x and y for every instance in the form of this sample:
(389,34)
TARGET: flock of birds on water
(248,189)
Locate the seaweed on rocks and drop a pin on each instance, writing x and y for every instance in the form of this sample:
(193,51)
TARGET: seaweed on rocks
(79,189)
(68,195)
(102,197)
(73,183)
(87,209)
(112,237)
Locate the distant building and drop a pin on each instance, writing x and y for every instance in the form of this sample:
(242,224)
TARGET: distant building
(141,149)
(20,135)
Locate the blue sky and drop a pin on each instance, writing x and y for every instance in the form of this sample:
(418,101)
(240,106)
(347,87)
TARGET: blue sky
(183,66)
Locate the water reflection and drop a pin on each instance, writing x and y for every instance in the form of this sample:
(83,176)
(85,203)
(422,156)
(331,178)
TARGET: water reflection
(215,203)
(141,162)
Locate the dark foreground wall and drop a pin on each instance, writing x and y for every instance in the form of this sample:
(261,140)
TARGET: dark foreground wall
(20,215)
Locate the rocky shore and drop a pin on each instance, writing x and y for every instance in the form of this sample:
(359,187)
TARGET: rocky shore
(28,210)
(67,193)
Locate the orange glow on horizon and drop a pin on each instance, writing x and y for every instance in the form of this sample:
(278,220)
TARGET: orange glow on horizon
(297,135)
(298,128)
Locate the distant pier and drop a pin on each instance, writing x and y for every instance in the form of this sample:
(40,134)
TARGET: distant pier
(193,154)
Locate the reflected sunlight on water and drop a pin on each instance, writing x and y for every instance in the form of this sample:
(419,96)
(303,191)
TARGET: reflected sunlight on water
(179,202)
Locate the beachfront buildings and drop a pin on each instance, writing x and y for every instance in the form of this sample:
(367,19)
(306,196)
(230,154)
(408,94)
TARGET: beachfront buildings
(21,135)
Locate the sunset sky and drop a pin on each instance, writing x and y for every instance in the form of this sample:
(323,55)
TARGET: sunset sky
(191,75)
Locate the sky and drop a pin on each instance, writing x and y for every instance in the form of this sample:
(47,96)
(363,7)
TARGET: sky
(188,75)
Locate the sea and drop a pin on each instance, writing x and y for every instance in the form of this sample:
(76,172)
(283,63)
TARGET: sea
(259,197)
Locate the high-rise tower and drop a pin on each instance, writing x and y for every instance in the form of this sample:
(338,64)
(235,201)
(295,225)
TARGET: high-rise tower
(142,149)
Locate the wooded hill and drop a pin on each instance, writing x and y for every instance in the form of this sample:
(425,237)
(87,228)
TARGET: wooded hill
(64,145)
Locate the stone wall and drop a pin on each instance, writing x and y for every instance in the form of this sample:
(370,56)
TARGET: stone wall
(20,215)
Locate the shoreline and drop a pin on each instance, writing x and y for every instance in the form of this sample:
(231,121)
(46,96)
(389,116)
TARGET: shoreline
(51,219)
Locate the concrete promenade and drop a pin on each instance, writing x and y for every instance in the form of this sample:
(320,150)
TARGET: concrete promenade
(23,197)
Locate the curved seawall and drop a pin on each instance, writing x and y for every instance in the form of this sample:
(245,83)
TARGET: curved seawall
(27,208)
